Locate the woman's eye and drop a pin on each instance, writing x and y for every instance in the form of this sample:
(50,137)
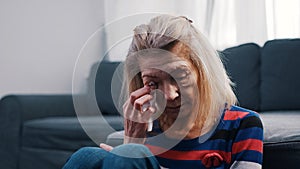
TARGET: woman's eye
(181,77)
(153,85)
(183,80)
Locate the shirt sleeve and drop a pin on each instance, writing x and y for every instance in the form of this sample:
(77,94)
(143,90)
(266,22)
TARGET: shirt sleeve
(247,147)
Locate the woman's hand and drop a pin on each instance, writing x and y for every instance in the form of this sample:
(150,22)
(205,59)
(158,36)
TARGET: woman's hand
(137,116)
(106,147)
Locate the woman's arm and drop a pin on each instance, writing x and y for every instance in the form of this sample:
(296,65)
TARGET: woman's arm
(247,148)
(136,116)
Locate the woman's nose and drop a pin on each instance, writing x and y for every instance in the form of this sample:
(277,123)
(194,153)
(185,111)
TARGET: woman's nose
(171,91)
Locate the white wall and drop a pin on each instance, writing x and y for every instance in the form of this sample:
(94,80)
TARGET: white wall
(40,41)
(121,15)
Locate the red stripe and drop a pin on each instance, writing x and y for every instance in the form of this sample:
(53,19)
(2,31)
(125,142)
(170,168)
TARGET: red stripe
(233,115)
(186,155)
(249,144)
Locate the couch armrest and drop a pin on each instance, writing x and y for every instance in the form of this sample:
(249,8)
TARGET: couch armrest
(15,109)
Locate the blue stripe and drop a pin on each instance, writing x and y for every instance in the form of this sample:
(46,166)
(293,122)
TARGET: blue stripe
(179,164)
(248,155)
(228,124)
(237,108)
(190,164)
(249,133)
(218,144)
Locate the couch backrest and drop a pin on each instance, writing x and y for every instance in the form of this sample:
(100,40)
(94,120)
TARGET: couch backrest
(280,75)
(104,87)
(243,67)
(266,78)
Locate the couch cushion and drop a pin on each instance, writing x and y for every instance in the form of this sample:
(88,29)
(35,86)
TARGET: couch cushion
(281,126)
(31,158)
(280,74)
(243,66)
(66,133)
(281,139)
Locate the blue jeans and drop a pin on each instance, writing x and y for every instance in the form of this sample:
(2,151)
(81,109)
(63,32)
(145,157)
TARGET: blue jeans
(97,158)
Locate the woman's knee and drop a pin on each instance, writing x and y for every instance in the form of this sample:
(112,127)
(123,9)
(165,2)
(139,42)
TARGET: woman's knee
(86,157)
(132,151)
(131,156)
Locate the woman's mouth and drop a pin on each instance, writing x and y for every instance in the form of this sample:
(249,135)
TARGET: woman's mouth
(173,109)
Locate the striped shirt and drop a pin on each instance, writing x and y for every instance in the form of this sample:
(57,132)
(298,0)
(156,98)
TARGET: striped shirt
(236,142)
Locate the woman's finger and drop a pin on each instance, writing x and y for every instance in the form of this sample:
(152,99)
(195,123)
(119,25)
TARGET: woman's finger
(143,117)
(138,93)
(143,100)
(106,147)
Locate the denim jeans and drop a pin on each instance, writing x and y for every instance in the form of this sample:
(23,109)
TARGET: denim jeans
(118,158)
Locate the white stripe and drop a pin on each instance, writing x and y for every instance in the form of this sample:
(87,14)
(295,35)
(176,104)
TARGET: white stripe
(245,165)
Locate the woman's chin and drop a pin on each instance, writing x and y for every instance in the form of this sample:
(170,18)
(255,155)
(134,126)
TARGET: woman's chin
(179,112)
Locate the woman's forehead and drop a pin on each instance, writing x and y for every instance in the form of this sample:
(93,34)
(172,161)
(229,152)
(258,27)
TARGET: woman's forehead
(163,70)
(161,65)
(161,59)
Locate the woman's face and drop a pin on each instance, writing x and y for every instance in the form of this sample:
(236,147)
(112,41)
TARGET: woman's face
(176,79)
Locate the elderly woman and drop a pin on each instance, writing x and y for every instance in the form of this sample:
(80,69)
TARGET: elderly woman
(179,107)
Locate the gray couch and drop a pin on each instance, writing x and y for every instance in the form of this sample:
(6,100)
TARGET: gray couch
(42,131)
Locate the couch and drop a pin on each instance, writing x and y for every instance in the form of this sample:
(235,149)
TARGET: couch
(41,131)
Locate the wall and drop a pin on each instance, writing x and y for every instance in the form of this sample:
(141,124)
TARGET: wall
(40,41)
